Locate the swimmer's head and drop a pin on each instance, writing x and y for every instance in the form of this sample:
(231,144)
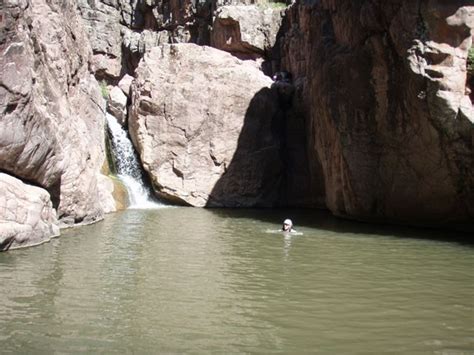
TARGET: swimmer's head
(287,224)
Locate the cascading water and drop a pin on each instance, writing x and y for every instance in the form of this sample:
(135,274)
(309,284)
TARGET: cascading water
(128,168)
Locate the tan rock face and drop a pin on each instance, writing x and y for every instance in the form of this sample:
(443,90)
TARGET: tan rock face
(202,121)
(120,31)
(52,113)
(246,31)
(27,216)
(117,104)
(390,120)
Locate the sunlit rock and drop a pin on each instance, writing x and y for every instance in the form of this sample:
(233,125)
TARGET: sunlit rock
(246,31)
(117,104)
(27,216)
(52,111)
(125,84)
(203,121)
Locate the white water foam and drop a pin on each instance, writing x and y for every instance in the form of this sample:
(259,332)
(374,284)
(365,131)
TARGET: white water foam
(128,168)
(279,231)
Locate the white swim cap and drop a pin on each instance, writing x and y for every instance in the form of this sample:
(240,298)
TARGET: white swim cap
(288,221)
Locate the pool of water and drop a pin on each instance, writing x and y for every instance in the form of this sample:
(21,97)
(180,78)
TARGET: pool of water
(186,280)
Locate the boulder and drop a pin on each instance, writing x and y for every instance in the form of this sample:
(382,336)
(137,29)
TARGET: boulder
(125,84)
(390,124)
(51,111)
(117,104)
(246,31)
(27,216)
(206,136)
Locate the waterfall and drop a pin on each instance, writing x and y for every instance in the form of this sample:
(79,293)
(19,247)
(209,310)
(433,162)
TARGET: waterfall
(128,168)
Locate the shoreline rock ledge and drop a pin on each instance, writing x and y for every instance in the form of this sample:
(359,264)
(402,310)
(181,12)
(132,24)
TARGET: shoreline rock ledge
(27,216)
(201,120)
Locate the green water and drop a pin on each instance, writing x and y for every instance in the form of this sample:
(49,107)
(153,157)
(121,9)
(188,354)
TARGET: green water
(183,280)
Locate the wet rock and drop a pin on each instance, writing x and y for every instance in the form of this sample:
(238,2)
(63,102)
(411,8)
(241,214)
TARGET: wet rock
(390,123)
(120,194)
(205,136)
(27,216)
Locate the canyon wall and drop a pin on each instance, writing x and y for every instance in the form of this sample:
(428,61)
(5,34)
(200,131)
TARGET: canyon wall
(391,121)
(52,117)
(204,170)
(370,116)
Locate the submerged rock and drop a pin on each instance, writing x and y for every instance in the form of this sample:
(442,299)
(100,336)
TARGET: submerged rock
(27,216)
(202,122)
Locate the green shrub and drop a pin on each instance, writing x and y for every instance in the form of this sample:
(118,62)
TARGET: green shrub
(104,90)
(470,61)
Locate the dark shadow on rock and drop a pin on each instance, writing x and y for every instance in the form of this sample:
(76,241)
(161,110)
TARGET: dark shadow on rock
(270,165)
(254,176)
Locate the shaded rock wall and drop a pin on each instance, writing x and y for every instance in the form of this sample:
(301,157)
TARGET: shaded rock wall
(386,97)
(51,110)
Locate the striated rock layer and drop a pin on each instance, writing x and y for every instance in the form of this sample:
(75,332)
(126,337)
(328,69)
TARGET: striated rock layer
(391,121)
(202,121)
(51,109)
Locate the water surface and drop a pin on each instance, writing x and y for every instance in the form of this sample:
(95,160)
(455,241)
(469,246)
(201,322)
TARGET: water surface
(184,280)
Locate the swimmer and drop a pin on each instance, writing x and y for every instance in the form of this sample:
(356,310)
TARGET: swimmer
(287,226)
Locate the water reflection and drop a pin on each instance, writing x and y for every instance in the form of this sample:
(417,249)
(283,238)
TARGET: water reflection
(287,238)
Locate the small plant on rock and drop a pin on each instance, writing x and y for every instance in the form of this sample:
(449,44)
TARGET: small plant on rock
(104,90)
(470,61)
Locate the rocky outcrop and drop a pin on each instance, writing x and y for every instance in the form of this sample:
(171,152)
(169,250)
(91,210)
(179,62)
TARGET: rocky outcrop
(121,31)
(117,104)
(390,120)
(206,137)
(27,216)
(103,23)
(51,109)
(246,31)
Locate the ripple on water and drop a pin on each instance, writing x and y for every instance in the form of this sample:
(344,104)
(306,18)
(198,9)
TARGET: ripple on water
(187,280)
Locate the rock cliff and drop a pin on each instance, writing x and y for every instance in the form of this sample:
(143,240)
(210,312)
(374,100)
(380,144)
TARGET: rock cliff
(372,120)
(390,117)
(52,113)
